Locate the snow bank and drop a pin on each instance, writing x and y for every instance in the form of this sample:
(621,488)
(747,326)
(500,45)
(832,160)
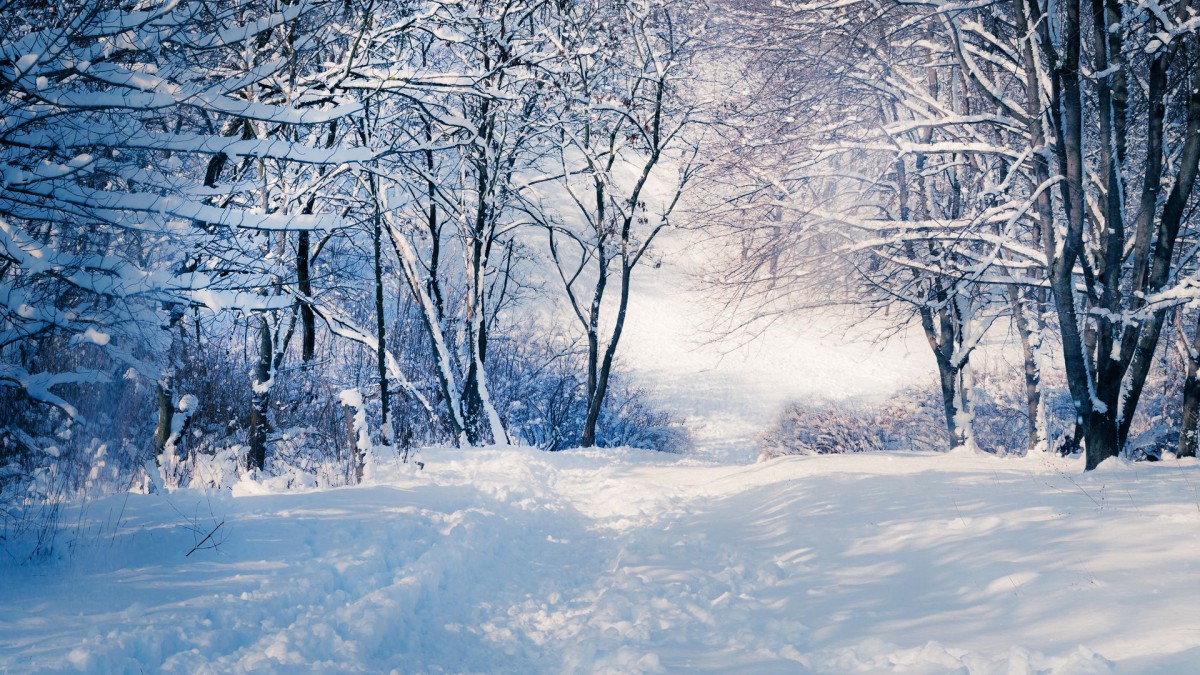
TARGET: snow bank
(516,561)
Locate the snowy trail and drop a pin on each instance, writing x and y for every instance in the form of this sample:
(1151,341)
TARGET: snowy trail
(515,561)
(728,389)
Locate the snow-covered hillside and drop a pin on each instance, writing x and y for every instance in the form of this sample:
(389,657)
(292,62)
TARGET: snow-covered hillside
(517,561)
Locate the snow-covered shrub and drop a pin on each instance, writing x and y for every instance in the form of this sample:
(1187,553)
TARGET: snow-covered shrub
(914,419)
(93,451)
(308,429)
(629,419)
(540,389)
(817,428)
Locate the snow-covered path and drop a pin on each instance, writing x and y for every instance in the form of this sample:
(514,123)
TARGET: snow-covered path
(516,561)
(727,388)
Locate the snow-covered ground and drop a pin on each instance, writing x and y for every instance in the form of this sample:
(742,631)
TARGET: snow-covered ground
(729,388)
(516,561)
(511,560)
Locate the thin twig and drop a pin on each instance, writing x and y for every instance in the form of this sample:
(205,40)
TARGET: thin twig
(206,538)
(1085,492)
(118,523)
(1189,482)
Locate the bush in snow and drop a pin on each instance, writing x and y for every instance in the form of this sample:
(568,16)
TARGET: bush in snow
(48,453)
(810,428)
(629,419)
(539,386)
(910,419)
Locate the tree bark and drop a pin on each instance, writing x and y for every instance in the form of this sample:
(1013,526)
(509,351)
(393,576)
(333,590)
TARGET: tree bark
(948,379)
(1035,436)
(308,318)
(256,457)
(166,414)
(1097,421)
(605,373)
(1191,398)
(385,422)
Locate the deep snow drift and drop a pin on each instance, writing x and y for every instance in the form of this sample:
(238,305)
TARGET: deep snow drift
(512,560)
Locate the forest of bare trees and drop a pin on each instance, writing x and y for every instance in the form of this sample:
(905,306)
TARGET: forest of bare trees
(278,236)
(981,167)
(266,236)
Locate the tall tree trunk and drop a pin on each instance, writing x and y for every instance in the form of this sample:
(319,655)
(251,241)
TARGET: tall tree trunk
(948,379)
(1191,396)
(385,422)
(481,420)
(942,335)
(474,414)
(1036,434)
(595,391)
(605,373)
(431,320)
(1027,16)
(1097,422)
(256,457)
(165,396)
(1111,94)
(308,318)
(939,334)
(472,402)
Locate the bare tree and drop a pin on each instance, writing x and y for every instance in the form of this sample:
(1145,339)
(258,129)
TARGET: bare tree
(620,144)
